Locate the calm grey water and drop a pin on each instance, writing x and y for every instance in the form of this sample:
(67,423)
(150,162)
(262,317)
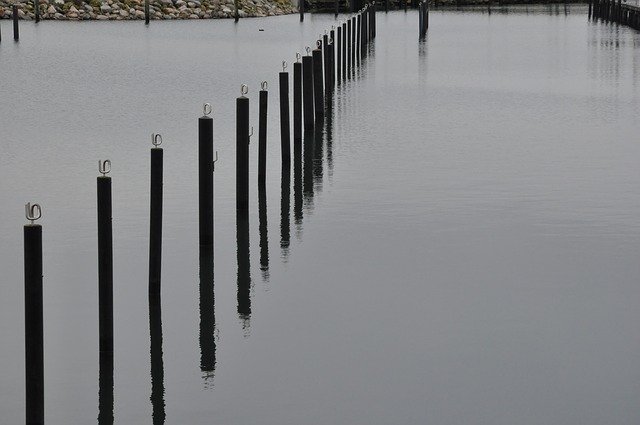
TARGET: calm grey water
(469,254)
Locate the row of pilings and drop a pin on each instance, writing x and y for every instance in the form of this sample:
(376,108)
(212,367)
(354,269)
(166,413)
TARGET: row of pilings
(336,57)
(615,11)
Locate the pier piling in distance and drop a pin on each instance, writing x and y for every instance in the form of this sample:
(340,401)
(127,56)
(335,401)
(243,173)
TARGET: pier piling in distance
(242,152)
(285,126)
(36,10)
(33,317)
(146,12)
(205,177)
(155,215)
(318,86)
(301,9)
(262,134)
(14,16)
(349,43)
(307,90)
(105,259)
(297,99)
(326,63)
(339,54)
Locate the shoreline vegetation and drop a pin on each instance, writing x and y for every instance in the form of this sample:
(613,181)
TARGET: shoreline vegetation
(121,10)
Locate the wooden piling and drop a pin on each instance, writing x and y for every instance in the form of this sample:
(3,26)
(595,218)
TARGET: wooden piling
(307,90)
(155,218)
(262,134)
(33,324)
(105,264)
(285,126)
(205,177)
(242,153)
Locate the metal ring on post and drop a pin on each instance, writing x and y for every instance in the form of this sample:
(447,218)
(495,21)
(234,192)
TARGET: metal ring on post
(264,85)
(308,50)
(319,44)
(156,139)
(298,57)
(206,108)
(244,89)
(284,66)
(104,167)
(32,212)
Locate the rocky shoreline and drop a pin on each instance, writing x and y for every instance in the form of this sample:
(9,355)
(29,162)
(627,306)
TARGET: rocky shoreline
(120,10)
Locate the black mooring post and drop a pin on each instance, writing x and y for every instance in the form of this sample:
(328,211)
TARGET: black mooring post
(318,86)
(205,176)
(237,13)
(339,55)
(244,268)
(14,15)
(405,5)
(326,63)
(375,19)
(242,153)
(353,42)
(297,101)
(155,219)
(36,10)
(386,6)
(33,323)
(348,42)
(365,30)
(358,37)
(285,126)
(426,17)
(307,90)
(301,9)
(332,58)
(337,11)
(262,134)
(146,12)
(105,263)
(332,67)
(344,50)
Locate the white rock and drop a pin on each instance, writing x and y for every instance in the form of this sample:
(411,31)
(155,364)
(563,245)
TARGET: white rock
(105,8)
(102,17)
(51,10)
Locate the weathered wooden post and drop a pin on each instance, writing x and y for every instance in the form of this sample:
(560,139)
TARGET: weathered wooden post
(339,54)
(318,86)
(307,89)
(301,9)
(242,151)
(36,10)
(285,126)
(262,133)
(105,259)
(297,99)
(33,317)
(155,213)
(14,15)
(237,13)
(205,176)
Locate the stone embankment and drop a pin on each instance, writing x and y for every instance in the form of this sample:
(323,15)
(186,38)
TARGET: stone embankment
(120,10)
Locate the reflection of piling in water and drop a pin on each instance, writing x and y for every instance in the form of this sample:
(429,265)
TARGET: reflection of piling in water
(309,145)
(205,176)
(285,206)
(318,157)
(329,136)
(244,271)
(157,363)
(242,152)
(207,314)
(297,182)
(33,320)
(105,389)
(262,228)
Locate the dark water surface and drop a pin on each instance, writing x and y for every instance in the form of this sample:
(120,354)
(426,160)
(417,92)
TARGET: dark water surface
(464,240)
